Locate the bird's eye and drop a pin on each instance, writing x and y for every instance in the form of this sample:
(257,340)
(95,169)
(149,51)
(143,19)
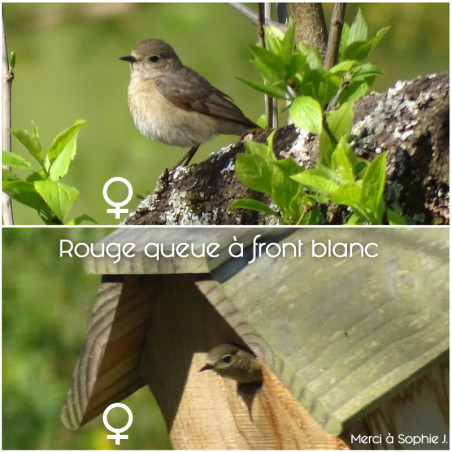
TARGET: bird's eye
(227,359)
(154,58)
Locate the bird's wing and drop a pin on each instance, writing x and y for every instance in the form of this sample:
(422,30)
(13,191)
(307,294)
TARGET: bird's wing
(190,91)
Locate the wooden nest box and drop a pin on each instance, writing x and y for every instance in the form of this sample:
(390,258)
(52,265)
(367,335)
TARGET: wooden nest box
(350,347)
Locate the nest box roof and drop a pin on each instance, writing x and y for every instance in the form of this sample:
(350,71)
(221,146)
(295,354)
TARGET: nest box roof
(340,333)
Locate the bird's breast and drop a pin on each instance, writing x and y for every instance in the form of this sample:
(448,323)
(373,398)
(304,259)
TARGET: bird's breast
(159,119)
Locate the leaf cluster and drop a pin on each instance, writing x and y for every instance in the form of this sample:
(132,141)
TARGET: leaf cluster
(43,190)
(321,102)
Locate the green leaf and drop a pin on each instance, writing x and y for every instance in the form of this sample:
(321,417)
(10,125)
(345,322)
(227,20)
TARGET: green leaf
(348,194)
(374,183)
(377,38)
(344,39)
(273,38)
(64,140)
(394,218)
(260,149)
(363,71)
(284,189)
(317,183)
(358,50)
(30,141)
(342,162)
(358,30)
(262,121)
(288,44)
(320,85)
(340,121)
(313,57)
(25,193)
(296,64)
(312,217)
(306,113)
(267,89)
(270,60)
(356,90)
(343,67)
(58,196)
(326,147)
(8,175)
(80,219)
(15,160)
(270,75)
(252,204)
(356,219)
(254,171)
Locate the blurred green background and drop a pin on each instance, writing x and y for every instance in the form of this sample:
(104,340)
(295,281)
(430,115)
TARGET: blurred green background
(47,301)
(68,68)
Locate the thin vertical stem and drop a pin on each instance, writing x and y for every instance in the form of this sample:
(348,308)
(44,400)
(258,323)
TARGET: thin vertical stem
(8,76)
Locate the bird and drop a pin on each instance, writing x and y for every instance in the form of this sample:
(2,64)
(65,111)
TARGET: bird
(233,361)
(171,103)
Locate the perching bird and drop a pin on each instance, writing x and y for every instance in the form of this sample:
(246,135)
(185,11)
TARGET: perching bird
(231,361)
(172,103)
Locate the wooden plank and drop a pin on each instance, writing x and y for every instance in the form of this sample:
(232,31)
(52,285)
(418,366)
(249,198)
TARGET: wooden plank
(107,369)
(201,409)
(341,334)
(415,418)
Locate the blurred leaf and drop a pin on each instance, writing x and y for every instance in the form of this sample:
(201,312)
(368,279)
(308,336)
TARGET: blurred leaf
(394,218)
(264,88)
(15,160)
(358,30)
(270,60)
(312,56)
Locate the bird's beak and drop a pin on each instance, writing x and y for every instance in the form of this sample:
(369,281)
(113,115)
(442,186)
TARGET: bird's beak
(129,58)
(206,367)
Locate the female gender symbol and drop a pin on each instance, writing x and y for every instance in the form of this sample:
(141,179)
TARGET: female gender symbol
(117,437)
(117,211)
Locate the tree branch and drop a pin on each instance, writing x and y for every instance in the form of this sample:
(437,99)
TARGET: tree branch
(334,39)
(251,15)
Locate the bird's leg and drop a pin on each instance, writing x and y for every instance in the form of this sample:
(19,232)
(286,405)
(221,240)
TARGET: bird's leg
(187,157)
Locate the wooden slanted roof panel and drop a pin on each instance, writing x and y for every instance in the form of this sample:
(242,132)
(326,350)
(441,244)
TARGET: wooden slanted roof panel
(343,333)
(107,370)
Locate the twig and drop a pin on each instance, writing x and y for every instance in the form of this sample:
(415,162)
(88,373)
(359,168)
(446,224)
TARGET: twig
(261,35)
(251,15)
(8,76)
(273,103)
(337,22)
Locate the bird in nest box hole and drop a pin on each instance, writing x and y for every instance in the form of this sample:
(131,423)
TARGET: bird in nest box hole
(233,361)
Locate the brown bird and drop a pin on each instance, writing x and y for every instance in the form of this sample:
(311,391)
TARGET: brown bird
(171,103)
(230,361)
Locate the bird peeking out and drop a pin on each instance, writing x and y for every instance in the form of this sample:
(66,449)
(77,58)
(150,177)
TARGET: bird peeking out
(232,361)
